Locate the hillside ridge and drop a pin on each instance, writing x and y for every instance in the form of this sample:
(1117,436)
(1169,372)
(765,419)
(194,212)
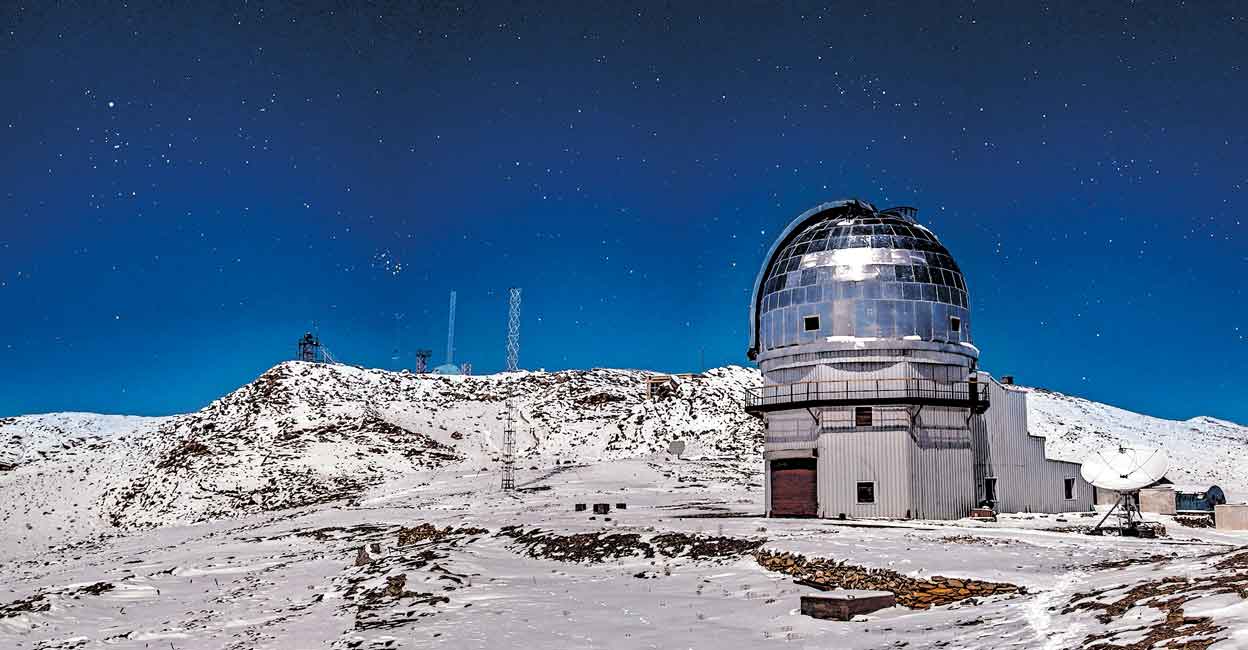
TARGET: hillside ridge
(301,434)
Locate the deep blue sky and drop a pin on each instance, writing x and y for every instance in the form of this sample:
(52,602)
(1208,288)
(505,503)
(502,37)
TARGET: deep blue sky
(185,189)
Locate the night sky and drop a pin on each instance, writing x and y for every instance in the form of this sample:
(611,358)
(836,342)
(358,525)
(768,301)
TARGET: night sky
(185,189)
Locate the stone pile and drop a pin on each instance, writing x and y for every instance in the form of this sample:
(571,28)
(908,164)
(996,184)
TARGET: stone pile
(915,593)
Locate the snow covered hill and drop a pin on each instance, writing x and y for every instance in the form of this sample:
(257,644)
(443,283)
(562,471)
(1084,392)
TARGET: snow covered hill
(343,508)
(303,434)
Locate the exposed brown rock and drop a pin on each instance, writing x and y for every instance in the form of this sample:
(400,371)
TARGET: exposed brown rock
(914,593)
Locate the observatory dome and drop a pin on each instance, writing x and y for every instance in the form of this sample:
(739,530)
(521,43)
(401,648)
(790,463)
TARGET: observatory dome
(845,271)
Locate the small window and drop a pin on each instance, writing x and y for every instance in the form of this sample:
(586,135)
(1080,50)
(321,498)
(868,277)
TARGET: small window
(955,324)
(990,489)
(866,492)
(862,416)
(811,323)
(1069,489)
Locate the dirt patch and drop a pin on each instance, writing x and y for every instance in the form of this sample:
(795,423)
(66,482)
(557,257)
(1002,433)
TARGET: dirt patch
(41,602)
(408,582)
(1133,561)
(1169,595)
(580,547)
(598,399)
(914,593)
(1238,561)
(604,547)
(699,547)
(1194,521)
(429,532)
(181,455)
(976,541)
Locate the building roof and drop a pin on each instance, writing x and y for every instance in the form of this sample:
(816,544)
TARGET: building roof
(447,369)
(865,273)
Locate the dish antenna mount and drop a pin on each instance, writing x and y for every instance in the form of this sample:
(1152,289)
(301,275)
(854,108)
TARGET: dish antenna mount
(1125,469)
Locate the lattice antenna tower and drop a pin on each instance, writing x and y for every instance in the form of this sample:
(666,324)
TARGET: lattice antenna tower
(513,329)
(509,451)
(422,361)
(450,333)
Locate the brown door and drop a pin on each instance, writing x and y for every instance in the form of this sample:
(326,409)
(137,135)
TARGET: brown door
(793,488)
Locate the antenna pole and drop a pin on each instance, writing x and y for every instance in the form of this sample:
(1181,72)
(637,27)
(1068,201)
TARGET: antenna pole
(450,333)
(513,329)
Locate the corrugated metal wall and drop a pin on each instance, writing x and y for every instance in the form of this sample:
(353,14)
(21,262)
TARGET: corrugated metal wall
(880,456)
(931,466)
(942,463)
(1027,481)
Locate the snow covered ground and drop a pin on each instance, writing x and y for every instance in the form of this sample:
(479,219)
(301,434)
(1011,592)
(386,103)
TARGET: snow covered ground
(273,519)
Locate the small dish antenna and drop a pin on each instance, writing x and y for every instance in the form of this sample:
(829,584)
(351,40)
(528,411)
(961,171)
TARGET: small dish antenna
(1121,468)
(676,448)
(1125,469)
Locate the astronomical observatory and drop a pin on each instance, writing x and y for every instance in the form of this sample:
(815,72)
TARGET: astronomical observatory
(872,399)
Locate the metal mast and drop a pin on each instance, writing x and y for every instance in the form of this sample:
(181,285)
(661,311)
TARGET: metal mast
(513,330)
(450,333)
(509,452)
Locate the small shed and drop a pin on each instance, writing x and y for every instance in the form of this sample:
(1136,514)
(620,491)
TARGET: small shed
(1195,498)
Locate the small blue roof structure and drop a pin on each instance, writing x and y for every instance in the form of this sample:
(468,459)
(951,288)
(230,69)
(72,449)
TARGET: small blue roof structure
(447,369)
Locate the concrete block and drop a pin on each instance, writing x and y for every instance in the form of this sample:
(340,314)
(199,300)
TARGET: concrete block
(1158,500)
(842,605)
(1231,516)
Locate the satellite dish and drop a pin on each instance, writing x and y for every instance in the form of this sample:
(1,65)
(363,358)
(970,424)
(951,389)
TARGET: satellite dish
(1122,468)
(676,448)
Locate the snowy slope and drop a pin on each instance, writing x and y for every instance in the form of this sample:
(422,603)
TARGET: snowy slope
(297,486)
(1203,451)
(341,576)
(303,434)
(39,437)
(55,470)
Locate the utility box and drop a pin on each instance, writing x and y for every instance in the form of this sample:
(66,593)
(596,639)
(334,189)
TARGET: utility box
(1160,500)
(844,604)
(983,514)
(1231,516)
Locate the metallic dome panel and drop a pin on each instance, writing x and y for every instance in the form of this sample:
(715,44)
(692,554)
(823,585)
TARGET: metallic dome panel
(865,274)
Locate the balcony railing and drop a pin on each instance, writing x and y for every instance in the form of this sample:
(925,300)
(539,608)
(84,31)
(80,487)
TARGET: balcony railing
(868,392)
